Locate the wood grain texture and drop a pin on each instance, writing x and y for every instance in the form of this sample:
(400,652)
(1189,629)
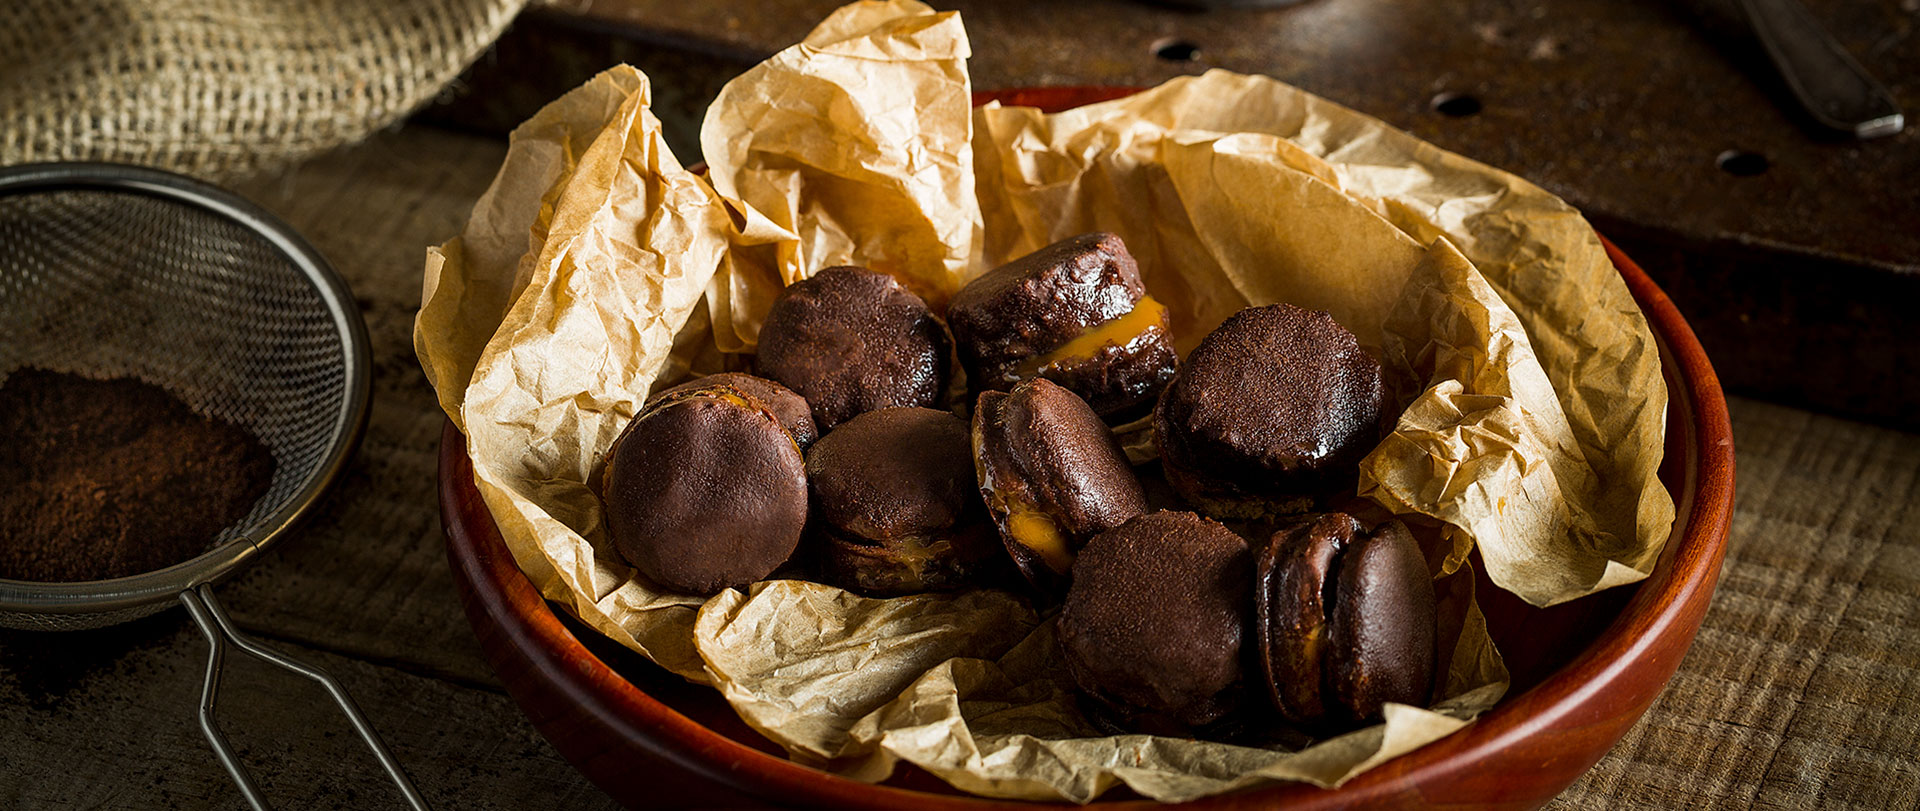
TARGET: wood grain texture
(366,576)
(1802,689)
(106,719)
(1650,92)
(1803,686)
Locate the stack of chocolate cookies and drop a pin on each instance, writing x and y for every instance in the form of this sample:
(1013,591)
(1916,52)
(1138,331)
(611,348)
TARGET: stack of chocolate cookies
(842,459)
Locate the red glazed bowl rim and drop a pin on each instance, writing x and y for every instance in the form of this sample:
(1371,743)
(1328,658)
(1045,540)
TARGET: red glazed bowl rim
(1669,602)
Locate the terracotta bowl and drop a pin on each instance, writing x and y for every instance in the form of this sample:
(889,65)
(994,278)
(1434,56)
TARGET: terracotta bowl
(1583,671)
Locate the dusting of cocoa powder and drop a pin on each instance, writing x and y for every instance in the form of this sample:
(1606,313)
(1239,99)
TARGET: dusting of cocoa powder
(108,478)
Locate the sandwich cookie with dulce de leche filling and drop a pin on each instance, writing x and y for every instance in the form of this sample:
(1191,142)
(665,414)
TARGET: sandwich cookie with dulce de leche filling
(1153,626)
(850,340)
(1345,621)
(896,507)
(1273,409)
(1052,474)
(1074,312)
(706,488)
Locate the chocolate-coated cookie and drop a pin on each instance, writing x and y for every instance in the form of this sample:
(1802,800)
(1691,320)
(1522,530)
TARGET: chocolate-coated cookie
(1052,474)
(1074,312)
(1345,621)
(897,507)
(1275,407)
(850,340)
(1154,622)
(705,491)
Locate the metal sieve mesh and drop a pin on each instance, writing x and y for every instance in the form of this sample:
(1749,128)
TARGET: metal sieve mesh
(111,271)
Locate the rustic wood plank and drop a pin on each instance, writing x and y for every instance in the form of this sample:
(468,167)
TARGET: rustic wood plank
(1801,687)
(106,719)
(1799,690)
(368,576)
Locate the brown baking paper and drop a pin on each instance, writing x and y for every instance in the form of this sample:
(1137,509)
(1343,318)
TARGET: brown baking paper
(544,323)
(1538,410)
(596,268)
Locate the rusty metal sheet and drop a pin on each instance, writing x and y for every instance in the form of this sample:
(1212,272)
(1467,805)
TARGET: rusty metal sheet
(1795,253)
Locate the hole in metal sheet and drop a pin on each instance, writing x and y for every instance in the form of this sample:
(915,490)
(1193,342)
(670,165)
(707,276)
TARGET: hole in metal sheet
(1741,164)
(1456,105)
(1176,50)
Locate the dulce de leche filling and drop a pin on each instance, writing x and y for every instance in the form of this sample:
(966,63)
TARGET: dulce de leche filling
(1036,531)
(1147,314)
(1026,525)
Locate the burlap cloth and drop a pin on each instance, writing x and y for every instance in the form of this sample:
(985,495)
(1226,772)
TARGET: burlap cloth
(218,88)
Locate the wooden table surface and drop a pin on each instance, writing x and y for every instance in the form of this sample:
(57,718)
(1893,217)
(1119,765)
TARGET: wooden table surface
(1802,690)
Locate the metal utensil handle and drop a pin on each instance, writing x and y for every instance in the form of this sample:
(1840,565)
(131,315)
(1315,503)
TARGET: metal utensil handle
(219,631)
(1833,87)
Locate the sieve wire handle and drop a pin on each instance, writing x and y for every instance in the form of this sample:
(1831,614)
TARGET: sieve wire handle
(220,631)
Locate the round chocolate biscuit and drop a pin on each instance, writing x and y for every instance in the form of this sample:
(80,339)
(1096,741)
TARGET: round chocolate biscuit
(1274,408)
(1053,476)
(896,504)
(1291,599)
(791,409)
(705,492)
(1345,621)
(1153,625)
(1383,619)
(1074,312)
(850,340)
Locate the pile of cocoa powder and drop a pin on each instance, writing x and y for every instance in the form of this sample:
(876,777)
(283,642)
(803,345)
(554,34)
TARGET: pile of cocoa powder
(109,478)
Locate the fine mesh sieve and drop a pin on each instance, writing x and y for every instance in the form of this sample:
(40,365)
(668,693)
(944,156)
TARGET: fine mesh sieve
(118,271)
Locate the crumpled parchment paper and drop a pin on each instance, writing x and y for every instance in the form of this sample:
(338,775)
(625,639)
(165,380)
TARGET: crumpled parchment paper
(596,267)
